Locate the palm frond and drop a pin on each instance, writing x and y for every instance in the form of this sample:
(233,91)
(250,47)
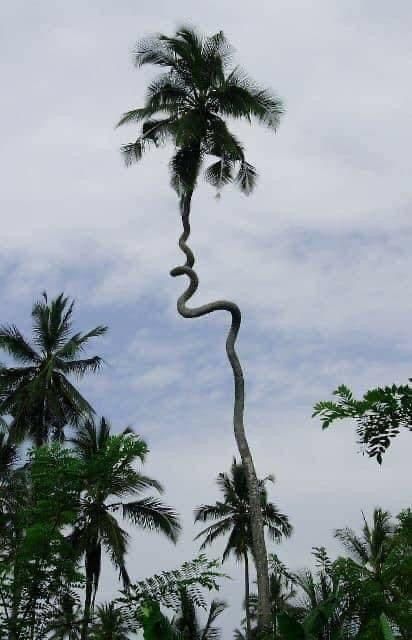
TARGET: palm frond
(240,97)
(13,342)
(80,368)
(211,511)
(246,177)
(219,173)
(153,50)
(217,607)
(152,514)
(215,531)
(353,544)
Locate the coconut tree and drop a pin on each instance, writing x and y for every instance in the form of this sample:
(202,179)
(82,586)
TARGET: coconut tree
(109,477)
(188,105)
(38,394)
(233,516)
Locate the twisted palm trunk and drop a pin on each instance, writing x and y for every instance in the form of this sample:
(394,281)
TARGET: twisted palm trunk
(256,520)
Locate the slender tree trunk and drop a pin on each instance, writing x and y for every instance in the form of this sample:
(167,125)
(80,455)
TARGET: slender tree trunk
(247,595)
(87,609)
(256,519)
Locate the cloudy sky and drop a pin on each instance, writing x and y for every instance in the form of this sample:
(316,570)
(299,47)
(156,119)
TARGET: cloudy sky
(318,258)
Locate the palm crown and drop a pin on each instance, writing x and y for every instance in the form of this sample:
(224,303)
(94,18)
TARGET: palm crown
(38,395)
(232,514)
(188,103)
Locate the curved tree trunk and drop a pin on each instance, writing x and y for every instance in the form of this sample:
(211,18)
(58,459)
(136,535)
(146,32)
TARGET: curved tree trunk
(247,595)
(256,520)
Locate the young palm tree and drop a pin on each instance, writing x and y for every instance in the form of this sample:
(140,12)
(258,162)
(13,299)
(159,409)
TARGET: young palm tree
(186,623)
(282,593)
(233,517)
(38,394)
(373,547)
(373,574)
(188,105)
(110,624)
(323,605)
(67,622)
(109,477)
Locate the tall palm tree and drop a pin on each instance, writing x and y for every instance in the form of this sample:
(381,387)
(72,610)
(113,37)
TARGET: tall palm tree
(38,394)
(187,624)
(233,517)
(188,105)
(109,477)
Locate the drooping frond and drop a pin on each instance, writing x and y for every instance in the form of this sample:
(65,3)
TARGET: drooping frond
(212,511)
(219,173)
(80,368)
(217,607)
(12,341)
(151,514)
(246,177)
(215,531)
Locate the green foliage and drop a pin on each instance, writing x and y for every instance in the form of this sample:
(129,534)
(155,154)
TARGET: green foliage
(38,565)
(386,628)
(155,624)
(380,415)
(165,587)
(111,623)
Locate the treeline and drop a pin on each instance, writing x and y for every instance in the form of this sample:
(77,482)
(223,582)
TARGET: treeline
(68,483)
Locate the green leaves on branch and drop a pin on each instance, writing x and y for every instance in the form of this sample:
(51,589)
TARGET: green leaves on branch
(379,416)
(165,587)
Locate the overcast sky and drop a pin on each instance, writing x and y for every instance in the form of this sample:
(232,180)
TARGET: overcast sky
(318,259)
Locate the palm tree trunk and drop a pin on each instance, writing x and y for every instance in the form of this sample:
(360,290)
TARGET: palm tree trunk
(87,609)
(256,519)
(247,595)
(87,601)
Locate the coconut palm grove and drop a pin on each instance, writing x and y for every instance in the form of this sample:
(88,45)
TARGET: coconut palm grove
(75,499)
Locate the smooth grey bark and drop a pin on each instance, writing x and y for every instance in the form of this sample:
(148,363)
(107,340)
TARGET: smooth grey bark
(256,520)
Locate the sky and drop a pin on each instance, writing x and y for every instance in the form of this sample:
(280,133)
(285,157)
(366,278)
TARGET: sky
(318,258)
